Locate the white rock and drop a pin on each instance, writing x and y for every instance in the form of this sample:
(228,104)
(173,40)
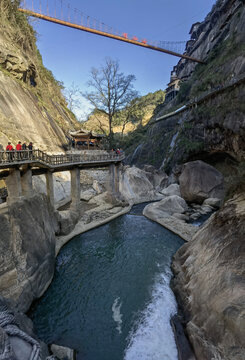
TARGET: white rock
(62,353)
(215,202)
(97,187)
(135,186)
(181,216)
(172,189)
(87,194)
(172,204)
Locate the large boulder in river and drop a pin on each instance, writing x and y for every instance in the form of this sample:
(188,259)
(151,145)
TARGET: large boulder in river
(199,181)
(170,205)
(172,189)
(167,212)
(158,178)
(135,186)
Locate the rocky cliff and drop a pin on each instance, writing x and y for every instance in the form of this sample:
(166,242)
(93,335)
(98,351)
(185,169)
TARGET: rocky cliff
(32,107)
(27,252)
(212,124)
(209,281)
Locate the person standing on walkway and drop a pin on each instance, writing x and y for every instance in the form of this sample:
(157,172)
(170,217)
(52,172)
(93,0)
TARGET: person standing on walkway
(30,147)
(24,152)
(18,148)
(9,149)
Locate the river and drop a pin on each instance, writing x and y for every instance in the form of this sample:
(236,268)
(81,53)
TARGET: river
(110,297)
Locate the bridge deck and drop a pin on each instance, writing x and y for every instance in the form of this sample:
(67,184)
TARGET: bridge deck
(39,159)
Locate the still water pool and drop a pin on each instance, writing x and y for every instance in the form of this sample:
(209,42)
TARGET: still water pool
(110,297)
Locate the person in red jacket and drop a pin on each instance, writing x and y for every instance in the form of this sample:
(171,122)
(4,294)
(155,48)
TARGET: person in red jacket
(18,148)
(9,147)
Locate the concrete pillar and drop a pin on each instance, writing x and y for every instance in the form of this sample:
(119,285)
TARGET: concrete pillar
(26,183)
(13,183)
(117,174)
(112,176)
(75,188)
(50,187)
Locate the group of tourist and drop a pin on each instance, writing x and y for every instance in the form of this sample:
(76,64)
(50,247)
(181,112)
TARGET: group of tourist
(117,151)
(20,149)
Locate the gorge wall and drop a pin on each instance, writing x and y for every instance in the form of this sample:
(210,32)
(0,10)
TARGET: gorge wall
(209,270)
(209,283)
(27,249)
(32,107)
(212,128)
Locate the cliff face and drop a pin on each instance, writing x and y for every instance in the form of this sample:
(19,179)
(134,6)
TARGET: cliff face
(27,252)
(209,281)
(213,122)
(223,22)
(209,270)
(32,107)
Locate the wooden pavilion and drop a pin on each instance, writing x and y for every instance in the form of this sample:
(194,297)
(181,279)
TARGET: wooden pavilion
(86,140)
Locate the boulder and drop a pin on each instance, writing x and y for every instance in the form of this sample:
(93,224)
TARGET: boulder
(62,353)
(181,216)
(162,216)
(170,205)
(158,178)
(17,339)
(214,202)
(87,194)
(172,189)
(199,181)
(97,187)
(135,186)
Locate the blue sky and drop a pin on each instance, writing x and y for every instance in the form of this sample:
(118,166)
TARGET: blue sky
(70,53)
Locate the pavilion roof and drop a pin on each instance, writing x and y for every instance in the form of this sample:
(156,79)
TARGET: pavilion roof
(85,133)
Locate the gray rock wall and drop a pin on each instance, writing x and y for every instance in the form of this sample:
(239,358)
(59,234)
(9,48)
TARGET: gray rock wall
(209,282)
(27,248)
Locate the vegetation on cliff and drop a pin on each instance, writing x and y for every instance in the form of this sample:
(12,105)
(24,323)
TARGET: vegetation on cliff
(20,60)
(212,128)
(130,122)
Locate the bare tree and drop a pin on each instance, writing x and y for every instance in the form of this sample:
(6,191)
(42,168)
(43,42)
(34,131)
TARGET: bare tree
(112,90)
(72,97)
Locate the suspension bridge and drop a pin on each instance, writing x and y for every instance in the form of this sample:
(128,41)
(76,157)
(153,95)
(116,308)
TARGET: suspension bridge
(60,12)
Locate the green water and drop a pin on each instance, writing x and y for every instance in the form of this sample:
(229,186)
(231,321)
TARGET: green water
(110,297)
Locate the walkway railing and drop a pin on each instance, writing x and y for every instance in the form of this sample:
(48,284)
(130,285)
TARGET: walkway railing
(17,158)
